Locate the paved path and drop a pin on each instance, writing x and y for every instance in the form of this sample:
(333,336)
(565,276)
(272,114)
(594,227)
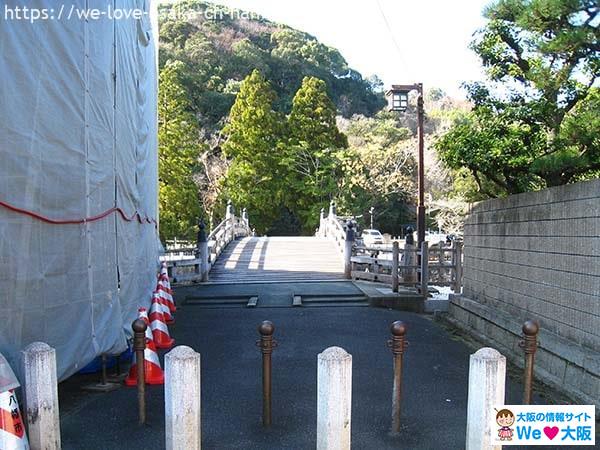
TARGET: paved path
(278,259)
(434,407)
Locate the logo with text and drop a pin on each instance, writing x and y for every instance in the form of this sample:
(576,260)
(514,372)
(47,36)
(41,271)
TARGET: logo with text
(544,425)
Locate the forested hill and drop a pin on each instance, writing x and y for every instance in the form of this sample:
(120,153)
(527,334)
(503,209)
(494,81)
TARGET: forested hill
(219,48)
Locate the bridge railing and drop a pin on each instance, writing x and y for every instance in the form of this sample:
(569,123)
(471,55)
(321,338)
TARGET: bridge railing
(194,263)
(439,264)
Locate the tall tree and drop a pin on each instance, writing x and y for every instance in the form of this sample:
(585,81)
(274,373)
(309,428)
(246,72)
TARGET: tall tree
(178,153)
(313,150)
(256,176)
(533,123)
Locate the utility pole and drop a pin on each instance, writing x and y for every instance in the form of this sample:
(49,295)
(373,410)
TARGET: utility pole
(421,183)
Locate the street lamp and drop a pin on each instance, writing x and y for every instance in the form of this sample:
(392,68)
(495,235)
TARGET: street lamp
(371,211)
(398,101)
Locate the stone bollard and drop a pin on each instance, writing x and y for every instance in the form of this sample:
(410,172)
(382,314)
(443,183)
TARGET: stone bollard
(230,225)
(332,210)
(409,258)
(487,374)
(182,399)
(348,244)
(203,251)
(41,396)
(334,399)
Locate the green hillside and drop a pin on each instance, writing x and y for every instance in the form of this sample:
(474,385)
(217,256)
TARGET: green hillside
(218,53)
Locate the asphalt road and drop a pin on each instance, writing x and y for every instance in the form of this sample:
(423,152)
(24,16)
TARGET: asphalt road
(435,383)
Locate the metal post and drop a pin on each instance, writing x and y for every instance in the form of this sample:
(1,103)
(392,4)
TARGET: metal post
(395,261)
(529,345)
(139,345)
(424,268)
(421,181)
(266,344)
(349,242)
(371,211)
(398,345)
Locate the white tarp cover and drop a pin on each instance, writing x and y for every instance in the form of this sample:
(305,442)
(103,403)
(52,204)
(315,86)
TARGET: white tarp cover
(78,127)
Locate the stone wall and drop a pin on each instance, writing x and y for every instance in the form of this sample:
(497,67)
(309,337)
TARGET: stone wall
(537,256)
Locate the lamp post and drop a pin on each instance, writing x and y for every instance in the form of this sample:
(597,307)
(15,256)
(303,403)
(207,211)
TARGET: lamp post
(372,211)
(398,101)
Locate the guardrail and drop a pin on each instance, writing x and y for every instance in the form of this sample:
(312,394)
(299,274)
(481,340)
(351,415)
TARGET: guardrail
(439,264)
(194,263)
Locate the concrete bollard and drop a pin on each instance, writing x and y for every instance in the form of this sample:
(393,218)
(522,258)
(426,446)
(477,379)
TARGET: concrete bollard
(182,399)
(41,396)
(487,375)
(334,399)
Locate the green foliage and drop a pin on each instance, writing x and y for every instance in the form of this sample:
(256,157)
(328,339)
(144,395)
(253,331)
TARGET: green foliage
(535,123)
(178,153)
(217,52)
(282,170)
(254,145)
(379,170)
(313,145)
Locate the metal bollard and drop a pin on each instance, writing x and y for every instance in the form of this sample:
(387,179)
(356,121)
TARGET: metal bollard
(398,345)
(266,344)
(529,345)
(139,345)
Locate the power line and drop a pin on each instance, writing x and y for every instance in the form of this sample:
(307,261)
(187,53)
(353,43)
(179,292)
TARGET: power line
(394,41)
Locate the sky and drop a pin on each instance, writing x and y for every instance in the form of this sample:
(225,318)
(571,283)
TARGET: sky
(423,41)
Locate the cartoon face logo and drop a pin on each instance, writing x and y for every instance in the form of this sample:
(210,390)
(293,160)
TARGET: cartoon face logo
(505,418)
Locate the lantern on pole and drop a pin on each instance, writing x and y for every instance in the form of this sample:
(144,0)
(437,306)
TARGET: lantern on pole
(398,101)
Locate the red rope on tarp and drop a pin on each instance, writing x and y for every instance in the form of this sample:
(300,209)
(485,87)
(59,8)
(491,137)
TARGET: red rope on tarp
(135,215)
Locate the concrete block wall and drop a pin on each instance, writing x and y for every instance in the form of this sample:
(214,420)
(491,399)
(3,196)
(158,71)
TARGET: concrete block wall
(537,256)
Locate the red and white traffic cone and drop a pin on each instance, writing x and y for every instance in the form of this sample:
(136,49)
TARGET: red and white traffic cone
(143,314)
(164,307)
(164,271)
(160,331)
(153,373)
(12,428)
(166,295)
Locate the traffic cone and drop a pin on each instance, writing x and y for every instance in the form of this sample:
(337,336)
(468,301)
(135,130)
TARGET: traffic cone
(169,319)
(166,295)
(164,282)
(160,331)
(163,270)
(143,314)
(12,428)
(153,373)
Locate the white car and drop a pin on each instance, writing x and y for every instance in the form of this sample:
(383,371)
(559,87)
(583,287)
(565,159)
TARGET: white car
(372,237)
